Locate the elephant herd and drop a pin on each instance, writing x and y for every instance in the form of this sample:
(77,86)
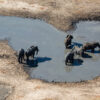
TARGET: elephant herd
(69,58)
(30,52)
(78,50)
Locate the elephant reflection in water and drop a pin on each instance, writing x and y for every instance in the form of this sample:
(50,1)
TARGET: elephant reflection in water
(68,68)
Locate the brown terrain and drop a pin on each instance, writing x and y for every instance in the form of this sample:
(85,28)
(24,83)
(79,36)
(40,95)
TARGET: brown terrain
(14,82)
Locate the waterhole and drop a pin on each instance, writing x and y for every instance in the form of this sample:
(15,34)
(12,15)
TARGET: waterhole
(22,33)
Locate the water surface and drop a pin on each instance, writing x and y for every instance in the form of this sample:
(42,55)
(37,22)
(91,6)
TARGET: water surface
(22,33)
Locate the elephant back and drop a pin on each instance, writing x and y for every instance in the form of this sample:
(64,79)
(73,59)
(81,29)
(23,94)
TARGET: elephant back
(21,52)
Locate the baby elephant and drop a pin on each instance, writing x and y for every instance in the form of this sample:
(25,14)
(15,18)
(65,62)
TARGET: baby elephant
(68,41)
(91,46)
(21,55)
(69,57)
(78,50)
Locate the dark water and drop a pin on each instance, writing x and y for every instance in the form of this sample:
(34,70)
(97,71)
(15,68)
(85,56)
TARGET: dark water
(22,33)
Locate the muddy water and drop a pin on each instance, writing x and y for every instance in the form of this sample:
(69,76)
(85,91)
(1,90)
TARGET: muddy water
(22,33)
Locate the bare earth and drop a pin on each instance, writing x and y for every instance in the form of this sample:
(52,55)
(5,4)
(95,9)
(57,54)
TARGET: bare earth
(61,14)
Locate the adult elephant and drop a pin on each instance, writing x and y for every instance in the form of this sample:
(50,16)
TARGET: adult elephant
(21,55)
(91,46)
(78,51)
(69,57)
(31,52)
(68,41)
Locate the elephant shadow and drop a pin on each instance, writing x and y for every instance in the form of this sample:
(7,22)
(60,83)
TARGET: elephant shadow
(34,63)
(75,44)
(95,51)
(77,62)
(86,55)
(43,59)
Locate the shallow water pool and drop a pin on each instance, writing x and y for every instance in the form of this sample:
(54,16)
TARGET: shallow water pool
(22,33)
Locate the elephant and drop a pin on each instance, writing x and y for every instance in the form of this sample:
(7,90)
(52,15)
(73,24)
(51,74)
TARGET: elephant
(91,46)
(68,41)
(21,55)
(31,52)
(69,58)
(78,51)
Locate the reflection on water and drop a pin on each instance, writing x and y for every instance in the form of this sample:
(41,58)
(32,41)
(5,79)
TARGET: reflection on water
(49,64)
(68,68)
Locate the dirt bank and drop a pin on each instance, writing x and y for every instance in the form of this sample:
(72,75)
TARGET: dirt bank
(61,14)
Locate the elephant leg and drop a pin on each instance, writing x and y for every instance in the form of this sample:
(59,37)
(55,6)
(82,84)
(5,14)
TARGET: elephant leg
(21,59)
(66,45)
(72,61)
(24,58)
(66,61)
(69,43)
(33,56)
(82,54)
(27,58)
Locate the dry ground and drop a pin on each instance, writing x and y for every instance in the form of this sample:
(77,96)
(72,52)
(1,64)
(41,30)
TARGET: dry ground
(61,14)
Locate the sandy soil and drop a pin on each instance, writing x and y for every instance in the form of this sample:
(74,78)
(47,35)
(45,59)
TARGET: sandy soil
(61,14)
(5,90)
